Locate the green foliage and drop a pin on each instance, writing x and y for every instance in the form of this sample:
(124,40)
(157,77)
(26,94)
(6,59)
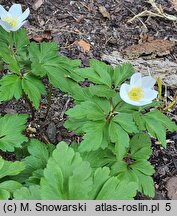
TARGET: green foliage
(33,88)
(35,162)
(157,124)
(7,169)
(111,162)
(10,86)
(74,179)
(135,166)
(11,127)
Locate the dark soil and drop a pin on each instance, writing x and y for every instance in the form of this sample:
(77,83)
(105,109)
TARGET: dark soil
(67,22)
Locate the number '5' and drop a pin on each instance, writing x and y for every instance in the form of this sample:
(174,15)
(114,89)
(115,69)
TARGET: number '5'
(168,207)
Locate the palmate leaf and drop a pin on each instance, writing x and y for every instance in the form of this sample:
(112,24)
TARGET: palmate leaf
(39,155)
(139,170)
(7,188)
(120,137)
(9,169)
(93,138)
(21,40)
(125,120)
(121,73)
(66,179)
(9,59)
(157,124)
(33,88)
(11,127)
(10,86)
(98,73)
(102,91)
(73,178)
(31,193)
(58,69)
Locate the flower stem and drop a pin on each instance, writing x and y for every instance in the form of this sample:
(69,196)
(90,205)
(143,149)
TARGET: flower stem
(30,106)
(49,99)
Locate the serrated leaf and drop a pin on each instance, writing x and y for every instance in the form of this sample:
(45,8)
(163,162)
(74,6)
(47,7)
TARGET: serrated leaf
(7,188)
(93,137)
(125,120)
(102,91)
(120,138)
(140,146)
(21,40)
(156,129)
(33,88)
(39,155)
(9,58)
(122,72)
(146,184)
(66,179)
(139,121)
(10,86)
(8,168)
(158,116)
(98,73)
(143,166)
(31,193)
(99,158)
(114,189)
(88,110)
(11,127)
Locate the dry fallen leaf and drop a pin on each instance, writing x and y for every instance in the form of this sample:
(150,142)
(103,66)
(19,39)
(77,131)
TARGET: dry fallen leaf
(104,12)
(84,45)
(174,3)
(37,4)
(172,188)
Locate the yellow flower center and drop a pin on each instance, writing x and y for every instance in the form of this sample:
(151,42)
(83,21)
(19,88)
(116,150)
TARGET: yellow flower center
(11,21)
(136,94)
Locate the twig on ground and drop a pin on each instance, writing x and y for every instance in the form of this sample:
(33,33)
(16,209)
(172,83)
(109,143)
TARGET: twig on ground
(64,108)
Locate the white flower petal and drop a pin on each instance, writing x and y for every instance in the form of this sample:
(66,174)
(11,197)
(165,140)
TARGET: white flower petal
(136,80)
(16,10)
(149,94)
(3,12)
(148,82)
(124,89)
(5,26)
(24,15)
(18,26)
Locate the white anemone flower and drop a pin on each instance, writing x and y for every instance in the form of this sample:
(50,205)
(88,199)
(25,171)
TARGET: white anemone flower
(14,18)
(140,91)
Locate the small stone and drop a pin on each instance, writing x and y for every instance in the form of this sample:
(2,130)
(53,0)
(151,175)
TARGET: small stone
(51,132)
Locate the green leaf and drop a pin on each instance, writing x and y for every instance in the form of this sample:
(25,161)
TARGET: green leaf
(31,193)
(114,189)
(88,110)
(120,138)
(21,40)
(99,158)
(10,86)
(146,184)
(139,121)
(102,91)
(156,129)
(7,188)
(122,72)
(140,146)
(66,179)
(5,38)
(98,73)
(33,88)
(8,168)
(143,166)
(93,137)
(39,155)
(125,120)
(11,127)
(9,58)
(158,116)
